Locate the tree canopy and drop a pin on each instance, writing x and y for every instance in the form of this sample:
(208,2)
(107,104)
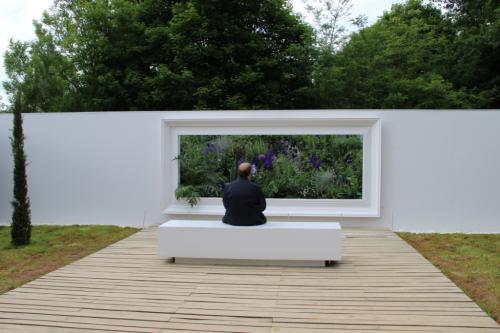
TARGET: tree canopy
(93,55)
(475,53)
(399,62)
(163,54)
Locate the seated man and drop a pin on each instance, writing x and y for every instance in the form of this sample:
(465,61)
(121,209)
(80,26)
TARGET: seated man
(244,200)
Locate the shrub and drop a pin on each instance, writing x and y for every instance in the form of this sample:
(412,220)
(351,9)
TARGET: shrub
(21,214)
(285,166)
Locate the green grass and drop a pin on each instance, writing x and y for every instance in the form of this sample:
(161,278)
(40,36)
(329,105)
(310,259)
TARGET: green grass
(471,261)
(51,247)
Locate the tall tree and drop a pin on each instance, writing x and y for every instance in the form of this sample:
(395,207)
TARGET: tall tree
(475,53)
(164,54)
(234,55)
(3,106)
(330,18)
(21,214)
(42,74)
(401,61)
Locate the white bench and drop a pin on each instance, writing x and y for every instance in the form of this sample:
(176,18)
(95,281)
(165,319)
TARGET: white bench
(274,243)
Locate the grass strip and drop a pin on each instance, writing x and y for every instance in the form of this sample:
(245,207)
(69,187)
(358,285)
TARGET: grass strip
(51,248)
(471,261)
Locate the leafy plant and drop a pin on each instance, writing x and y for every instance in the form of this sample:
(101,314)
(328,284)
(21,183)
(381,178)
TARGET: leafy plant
(189,193)
(21,213)
(286,166)
(125,55)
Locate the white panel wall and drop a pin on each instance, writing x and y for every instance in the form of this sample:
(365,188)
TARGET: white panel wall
(88,168)
(440,169)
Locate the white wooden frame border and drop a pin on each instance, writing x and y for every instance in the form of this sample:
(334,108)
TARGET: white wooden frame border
(177,123)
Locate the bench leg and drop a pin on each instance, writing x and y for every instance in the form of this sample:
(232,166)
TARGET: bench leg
(330,263)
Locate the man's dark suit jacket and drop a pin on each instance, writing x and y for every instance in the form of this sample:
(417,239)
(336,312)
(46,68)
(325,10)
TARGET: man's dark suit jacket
(244,203)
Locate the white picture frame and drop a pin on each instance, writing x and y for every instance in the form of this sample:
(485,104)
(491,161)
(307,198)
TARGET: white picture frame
(286,122)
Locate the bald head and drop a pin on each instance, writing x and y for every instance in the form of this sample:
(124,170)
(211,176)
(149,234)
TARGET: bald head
(244,169)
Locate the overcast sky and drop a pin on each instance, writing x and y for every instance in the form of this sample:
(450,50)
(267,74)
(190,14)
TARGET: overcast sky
(16,17)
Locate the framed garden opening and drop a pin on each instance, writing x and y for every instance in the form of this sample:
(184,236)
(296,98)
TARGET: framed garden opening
(285,128)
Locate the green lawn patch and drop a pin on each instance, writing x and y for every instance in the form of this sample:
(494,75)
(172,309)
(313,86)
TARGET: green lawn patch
(51,247)
(471,261)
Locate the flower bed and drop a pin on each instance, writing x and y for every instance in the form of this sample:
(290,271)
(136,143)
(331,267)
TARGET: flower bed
(285,166)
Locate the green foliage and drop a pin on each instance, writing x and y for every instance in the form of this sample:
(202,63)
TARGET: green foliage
(399,62)
(293,166)
(42,74)
(21,214)
(51,247)
(163,54)
(471,261)
(328,16)
(475,52)
(331,19)
(189,193)
(93,55)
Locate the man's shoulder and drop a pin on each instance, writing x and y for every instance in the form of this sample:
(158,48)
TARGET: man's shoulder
(255,185)
(239,182)
(230,183)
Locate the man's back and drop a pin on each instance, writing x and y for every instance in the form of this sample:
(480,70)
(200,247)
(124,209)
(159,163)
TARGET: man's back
(244,203)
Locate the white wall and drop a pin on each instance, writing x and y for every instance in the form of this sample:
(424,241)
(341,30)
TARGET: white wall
(440,169)
(88,168)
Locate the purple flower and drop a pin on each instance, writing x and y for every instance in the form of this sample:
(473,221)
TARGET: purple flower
(284,146)
(262,157)
(254,169)
(315,162)
(209,148)
(268,162)
(348,160)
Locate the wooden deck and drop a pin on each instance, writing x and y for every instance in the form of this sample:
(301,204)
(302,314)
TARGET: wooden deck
(382,285)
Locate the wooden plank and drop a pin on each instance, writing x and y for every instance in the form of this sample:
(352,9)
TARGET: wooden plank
(47,326)
(382,285)
(319,328)
(482,321)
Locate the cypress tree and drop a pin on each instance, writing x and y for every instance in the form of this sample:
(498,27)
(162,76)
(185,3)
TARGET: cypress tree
(21,215)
